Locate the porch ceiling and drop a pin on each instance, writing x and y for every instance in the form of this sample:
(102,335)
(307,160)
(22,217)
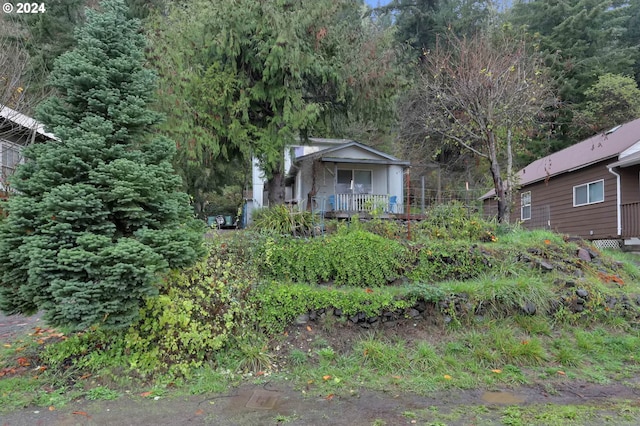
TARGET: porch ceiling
(364,161)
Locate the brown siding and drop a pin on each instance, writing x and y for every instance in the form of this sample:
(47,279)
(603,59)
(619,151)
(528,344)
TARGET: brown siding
(630,183)
(554,200)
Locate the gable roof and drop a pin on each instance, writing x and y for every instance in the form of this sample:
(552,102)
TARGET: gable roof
(590,151)
(24,121)
(329,155)
(600,147)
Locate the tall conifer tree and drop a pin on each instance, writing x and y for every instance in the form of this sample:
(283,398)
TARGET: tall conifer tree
(98,214)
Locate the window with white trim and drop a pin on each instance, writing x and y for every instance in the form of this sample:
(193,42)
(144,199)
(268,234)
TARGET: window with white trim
(589,193)
(525,205)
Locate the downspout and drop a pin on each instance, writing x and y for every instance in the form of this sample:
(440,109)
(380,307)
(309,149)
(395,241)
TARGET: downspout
(618,196)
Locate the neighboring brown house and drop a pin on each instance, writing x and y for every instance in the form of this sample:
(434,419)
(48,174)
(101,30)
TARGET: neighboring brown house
(16,131)
(590,189)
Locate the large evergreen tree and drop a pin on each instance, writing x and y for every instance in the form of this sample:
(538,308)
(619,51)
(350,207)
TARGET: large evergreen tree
(98,214)
(244,78)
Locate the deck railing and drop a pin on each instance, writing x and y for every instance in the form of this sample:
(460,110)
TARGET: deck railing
(363,203)
(630,219)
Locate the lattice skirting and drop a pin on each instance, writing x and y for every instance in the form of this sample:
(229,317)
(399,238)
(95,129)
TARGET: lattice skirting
(607,244)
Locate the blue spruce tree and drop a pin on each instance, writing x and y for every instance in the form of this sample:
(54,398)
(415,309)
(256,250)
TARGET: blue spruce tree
(99,214)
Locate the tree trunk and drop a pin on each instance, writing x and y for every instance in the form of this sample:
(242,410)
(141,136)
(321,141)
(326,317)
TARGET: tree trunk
(498,183)
(509,183)
(275,188)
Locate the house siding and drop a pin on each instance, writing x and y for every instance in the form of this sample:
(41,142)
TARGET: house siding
(552,204)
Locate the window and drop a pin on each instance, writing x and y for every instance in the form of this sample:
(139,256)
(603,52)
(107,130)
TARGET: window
(525,205)
(361,181)
(10,158)
(588,193)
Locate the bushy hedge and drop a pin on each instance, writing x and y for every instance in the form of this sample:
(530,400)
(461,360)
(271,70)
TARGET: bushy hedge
(280,303)
(351,257)
(446,260)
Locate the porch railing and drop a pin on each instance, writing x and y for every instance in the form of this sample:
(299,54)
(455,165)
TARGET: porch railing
(630,219)
(362,203)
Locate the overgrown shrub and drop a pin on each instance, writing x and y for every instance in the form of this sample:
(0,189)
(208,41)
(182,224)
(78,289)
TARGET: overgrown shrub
(283,220)
(455,222)
(280,303)
(350,257)
(440,260)
(197,313)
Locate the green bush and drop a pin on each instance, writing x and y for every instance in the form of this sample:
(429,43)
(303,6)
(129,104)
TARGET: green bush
(454,221)
(280,303)
(349,257)
(440,260)
(197,313)
(283,220)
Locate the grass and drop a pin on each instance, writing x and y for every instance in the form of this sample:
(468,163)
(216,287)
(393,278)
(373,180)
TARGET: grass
(487,342)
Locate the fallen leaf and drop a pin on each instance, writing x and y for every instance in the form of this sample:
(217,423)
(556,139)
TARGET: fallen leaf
(524,342)
(7,345)
(547,241)
(497,371)
(562,373)
(308,328)
(145,394)
(448,377)
(85,376)
(52,408)
(81,413)
(327,377)
(397,377)
(329,397)
(199,412)
(260,373)
(368,290)
(309,382)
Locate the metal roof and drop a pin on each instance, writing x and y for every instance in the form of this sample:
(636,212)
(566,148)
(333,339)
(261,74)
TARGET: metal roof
(600,147)
(24,121)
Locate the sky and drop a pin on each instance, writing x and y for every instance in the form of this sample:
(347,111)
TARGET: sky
(376,3)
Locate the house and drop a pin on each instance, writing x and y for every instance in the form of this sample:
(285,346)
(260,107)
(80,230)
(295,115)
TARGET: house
(338,176)
(589,190)
(16,131)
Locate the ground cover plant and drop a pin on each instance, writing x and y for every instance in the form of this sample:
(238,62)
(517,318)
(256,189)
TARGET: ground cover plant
(473,305)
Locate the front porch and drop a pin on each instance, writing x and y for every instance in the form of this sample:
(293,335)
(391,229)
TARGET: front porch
(348,204)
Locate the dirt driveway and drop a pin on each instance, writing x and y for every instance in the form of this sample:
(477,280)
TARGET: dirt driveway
(277,403)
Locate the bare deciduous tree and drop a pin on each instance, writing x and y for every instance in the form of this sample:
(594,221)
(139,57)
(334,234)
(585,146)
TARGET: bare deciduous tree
(479,93)
(16,127)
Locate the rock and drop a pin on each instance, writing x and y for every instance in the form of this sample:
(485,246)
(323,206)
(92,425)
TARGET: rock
(529,308)
(337,312)
(578,308)
(545,266)
(421,306)
(372,320)
(413,313)
(302,319)
(570,284)
(354,319)
(579,273)
(581,292)
(313,316)
(583,254)
(592,253)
